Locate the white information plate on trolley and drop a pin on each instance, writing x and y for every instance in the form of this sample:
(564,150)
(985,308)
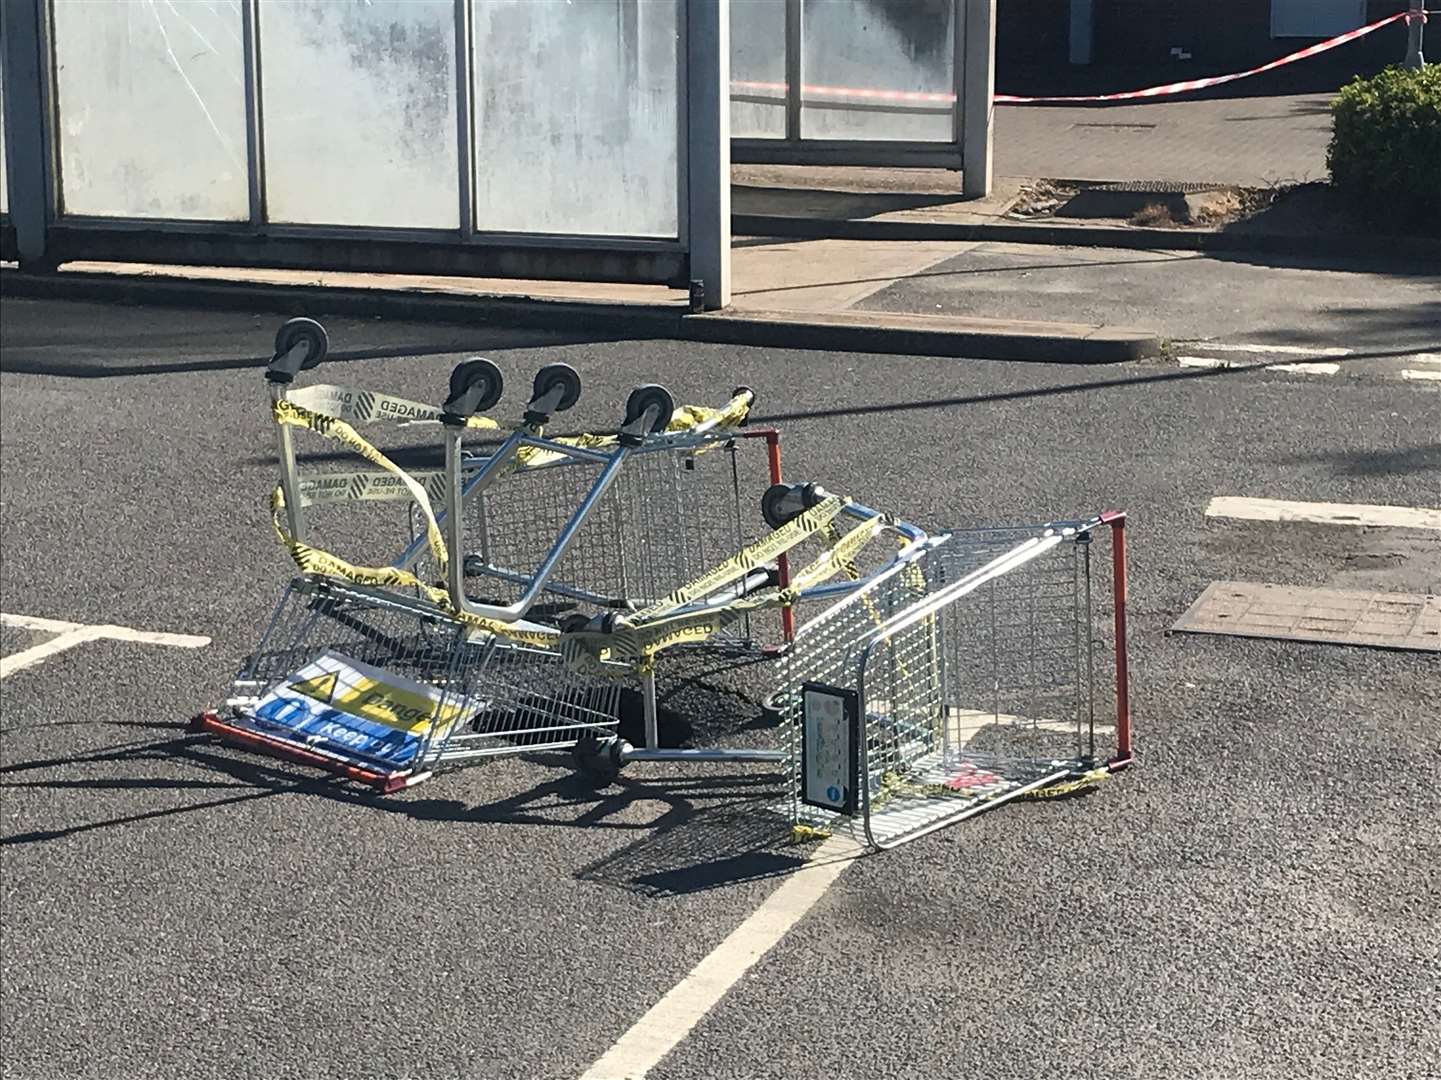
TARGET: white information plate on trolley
(354,710)
(830,719)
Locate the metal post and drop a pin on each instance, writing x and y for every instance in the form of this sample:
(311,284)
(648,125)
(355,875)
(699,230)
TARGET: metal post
(1415,21)
(793,70)
(980,88)
(27,160)
(652,715)
(254,131)
(465,118)
(708,142)
(1117,521)
(1081,30)
(289,475)
(958,74)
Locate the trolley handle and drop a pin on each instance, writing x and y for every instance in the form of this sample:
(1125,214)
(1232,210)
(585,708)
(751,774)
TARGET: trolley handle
(740,393)
(300,344)
(781,503)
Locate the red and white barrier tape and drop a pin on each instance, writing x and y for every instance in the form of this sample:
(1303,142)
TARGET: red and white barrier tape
(1217,80)
(922,97)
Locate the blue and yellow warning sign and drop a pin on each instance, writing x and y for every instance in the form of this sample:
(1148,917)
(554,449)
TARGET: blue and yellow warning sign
(356,711)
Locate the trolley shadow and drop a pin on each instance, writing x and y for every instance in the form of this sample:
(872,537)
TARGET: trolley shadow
(710,849)
(716,829)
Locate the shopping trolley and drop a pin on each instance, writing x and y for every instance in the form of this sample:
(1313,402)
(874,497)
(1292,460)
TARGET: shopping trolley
(972,677)
(560,573)
(384,673)
(365,671)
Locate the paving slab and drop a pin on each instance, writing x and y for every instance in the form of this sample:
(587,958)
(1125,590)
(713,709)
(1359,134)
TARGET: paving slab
(1382,620)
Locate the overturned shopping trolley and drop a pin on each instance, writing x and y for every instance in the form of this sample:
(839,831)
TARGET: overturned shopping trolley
(934,676)
(992,668)
(514,619)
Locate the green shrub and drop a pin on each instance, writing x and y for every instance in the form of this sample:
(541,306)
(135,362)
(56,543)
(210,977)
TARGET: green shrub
(1385,152)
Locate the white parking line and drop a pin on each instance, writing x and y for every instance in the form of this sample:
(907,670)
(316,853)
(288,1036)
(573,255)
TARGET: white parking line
(1279,350)
(1209,362)
(1429,376)
(35,622)
(1402,517)
(71,634)
(671,1019)
(1299,368)
(1306,369)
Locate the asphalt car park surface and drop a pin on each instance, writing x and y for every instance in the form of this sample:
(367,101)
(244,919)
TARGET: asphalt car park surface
(1255,898)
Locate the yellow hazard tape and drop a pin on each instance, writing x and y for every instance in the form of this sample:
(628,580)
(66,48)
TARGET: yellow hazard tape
(637,644)
(894,784)
(288,413)
(334,406)
(351,404)
(347,403)
(328,488)
(313,560)
(748,558)
(911,575)
(633,646)
(805,834)
(1091,779)
(732,414)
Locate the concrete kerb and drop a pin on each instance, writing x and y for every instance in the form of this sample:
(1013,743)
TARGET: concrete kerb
(915,335)
(1338,246)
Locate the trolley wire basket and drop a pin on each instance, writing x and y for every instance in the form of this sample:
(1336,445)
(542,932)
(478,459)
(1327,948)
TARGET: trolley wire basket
(960,682)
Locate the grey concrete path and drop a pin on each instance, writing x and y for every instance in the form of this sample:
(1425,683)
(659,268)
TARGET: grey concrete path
(1291,303)
(1255,141)
(789,294)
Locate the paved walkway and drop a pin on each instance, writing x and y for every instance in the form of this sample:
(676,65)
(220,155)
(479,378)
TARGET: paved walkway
(1253,141)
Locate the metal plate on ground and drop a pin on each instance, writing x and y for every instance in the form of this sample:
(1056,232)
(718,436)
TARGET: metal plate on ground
(1160,187)
(1339,616)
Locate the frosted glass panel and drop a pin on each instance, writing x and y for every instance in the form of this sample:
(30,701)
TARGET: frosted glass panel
(758,69)
(877,45)
(575,116)
(359,112)
(151,102)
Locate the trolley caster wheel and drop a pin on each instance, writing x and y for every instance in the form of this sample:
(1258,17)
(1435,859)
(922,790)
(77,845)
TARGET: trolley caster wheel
(305,332)
(782,503)
(474,565)
(599,759)
(641,399)
(475,386)
(557,376)
(739,390)
(773,709)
